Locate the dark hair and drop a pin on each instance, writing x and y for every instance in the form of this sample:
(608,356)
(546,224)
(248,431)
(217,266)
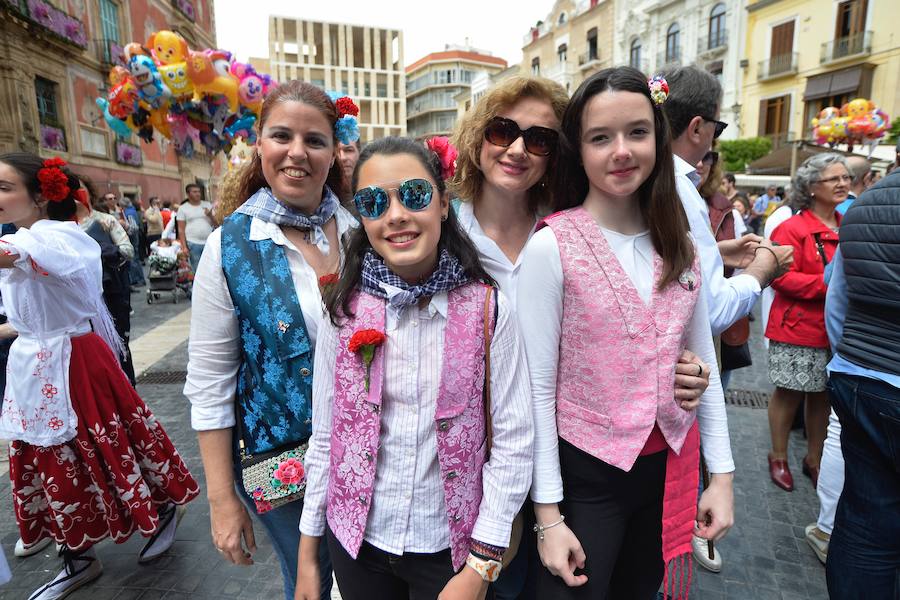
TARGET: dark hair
(27,166)
(188,187)
(453,239)
(693,92)
(167,204)
(729,177)
(658,198)
(293,91)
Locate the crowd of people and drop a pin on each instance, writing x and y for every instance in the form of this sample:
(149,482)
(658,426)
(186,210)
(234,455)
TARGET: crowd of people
(444,370)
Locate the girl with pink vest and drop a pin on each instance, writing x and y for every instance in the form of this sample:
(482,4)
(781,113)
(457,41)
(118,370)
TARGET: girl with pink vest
(613,279)
(399,481)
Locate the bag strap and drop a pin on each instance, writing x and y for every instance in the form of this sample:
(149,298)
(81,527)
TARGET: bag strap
(488,422)
(820,248)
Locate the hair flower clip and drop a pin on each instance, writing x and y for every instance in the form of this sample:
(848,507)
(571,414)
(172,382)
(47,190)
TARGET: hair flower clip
(446,153)
(346,129)
(659,89)
(54,183)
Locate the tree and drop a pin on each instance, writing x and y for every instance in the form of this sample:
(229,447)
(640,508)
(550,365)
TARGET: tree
(894,132)
(736,154)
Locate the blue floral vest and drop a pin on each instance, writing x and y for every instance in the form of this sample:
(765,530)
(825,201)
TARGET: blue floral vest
(274,387)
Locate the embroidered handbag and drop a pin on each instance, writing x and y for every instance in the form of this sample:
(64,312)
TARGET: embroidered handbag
(518,523)
(274,478)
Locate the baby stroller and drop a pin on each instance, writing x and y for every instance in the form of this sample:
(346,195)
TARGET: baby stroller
(163,278)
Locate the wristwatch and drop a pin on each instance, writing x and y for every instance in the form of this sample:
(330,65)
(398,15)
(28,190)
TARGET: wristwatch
(488,569)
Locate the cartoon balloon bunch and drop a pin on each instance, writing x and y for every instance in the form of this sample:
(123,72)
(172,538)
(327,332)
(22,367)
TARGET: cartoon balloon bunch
(194,98)
(856,122)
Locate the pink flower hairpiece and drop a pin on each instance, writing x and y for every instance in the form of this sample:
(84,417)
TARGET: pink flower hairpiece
(447,154)
(659,89)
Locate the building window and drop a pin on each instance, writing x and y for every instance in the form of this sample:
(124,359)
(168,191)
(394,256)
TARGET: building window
(774,117)
(781,50)
(109,22)
(849,32)
(53,135)
(562,18)
(536,66)
(634,56)
(716,27)
(673,43)
(562,52)
(592,44)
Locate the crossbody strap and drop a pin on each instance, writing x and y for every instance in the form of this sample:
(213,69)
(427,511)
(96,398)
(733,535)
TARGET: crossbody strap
(488,422)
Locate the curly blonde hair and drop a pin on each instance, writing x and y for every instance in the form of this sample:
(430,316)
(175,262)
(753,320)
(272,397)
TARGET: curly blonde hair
(229,198)
(468,136)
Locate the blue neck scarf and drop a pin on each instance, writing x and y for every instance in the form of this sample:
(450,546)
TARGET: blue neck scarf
(264,205)
(448,275)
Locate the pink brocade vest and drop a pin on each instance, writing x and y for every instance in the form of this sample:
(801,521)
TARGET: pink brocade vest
(617,355)
(458,421)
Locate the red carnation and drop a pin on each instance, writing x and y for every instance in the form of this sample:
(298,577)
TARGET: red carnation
(364,342)
(346,106)
(328,280)
(55,162)
(53,182)
(447,154)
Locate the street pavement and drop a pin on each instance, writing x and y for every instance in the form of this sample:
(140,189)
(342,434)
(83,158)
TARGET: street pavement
(765,554)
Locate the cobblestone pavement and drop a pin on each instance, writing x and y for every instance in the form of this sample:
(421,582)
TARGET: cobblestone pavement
(765,554)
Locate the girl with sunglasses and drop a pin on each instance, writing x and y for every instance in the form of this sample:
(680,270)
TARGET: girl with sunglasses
(614,280)
(421,453)
(257,308)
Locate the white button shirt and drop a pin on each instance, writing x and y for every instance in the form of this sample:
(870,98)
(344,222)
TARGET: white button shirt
(408,512)
(495,262)
(727,299)
(214,350)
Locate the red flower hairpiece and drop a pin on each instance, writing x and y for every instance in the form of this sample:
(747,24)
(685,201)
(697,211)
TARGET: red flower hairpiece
(53,182)
(447,154)
(346,106)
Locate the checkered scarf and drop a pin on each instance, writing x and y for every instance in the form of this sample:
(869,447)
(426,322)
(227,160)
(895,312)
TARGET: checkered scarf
(448,275)
(264,205)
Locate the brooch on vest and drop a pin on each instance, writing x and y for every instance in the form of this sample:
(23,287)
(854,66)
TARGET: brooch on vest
(688,280)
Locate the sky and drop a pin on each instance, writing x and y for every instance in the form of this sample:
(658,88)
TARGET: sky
(498,27)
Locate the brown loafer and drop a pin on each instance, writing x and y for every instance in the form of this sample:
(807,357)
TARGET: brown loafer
(811,471)
(780,473)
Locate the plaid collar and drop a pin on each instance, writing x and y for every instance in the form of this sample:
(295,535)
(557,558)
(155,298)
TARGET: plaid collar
(448,275)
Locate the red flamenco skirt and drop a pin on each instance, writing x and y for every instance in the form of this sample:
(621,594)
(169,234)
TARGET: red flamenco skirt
(112,477)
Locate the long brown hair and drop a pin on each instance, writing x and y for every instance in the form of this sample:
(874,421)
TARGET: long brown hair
(252,178)
(658,199)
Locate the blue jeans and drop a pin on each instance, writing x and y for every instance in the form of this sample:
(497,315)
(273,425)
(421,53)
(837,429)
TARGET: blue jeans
(864,553)
(282,526)
(196,251)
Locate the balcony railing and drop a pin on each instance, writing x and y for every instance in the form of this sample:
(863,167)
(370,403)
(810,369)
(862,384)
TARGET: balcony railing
(716,42)
(587,59)
(777,66)
(561,73)
(50,19)
(858,44)
(186,8)
(666,59)
(53,138)
(781,139)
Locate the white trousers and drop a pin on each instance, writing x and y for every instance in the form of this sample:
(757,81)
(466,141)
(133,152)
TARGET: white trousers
(831,475)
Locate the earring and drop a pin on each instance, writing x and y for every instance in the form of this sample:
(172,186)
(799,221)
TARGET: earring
(444,217)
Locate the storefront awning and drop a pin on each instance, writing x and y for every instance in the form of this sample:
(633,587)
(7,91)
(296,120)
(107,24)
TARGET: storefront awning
(818,87)
(831,84)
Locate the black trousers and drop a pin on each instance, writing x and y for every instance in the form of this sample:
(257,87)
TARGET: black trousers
(379,575)
(617,517)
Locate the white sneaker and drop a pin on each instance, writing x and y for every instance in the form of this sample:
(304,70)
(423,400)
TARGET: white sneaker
(78,571)
(701,555)
(164,537)
(818,540)
(21,551)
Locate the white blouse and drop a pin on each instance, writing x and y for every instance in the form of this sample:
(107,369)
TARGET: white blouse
(495,262)
(541,301)
(214,350)
(408,513)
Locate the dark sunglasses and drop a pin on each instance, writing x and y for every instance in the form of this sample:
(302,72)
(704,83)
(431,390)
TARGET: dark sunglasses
(711,157)
(540,141)
(720,126)
(372,202)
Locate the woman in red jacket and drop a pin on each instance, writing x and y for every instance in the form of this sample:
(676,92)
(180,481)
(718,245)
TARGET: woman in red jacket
(798,349)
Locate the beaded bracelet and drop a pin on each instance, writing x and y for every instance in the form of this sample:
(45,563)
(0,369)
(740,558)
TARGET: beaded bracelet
(540,529)
(486,551)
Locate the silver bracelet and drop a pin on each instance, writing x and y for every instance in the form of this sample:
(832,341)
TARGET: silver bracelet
(540,529)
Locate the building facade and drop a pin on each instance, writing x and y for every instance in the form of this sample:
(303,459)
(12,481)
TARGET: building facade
(56,57)
(365,63)
(574,41)
(433,83)
(809,54)
(654,34)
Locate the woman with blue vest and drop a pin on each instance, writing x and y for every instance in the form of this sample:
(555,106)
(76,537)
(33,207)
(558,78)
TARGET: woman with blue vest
(256,310)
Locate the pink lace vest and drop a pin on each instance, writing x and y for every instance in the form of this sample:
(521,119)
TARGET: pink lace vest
(617,355)
(458,421)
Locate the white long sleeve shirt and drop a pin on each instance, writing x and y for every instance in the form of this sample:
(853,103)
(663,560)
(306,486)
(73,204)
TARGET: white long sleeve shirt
(408,512)
(727,299)
(214,350)
(541,301)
